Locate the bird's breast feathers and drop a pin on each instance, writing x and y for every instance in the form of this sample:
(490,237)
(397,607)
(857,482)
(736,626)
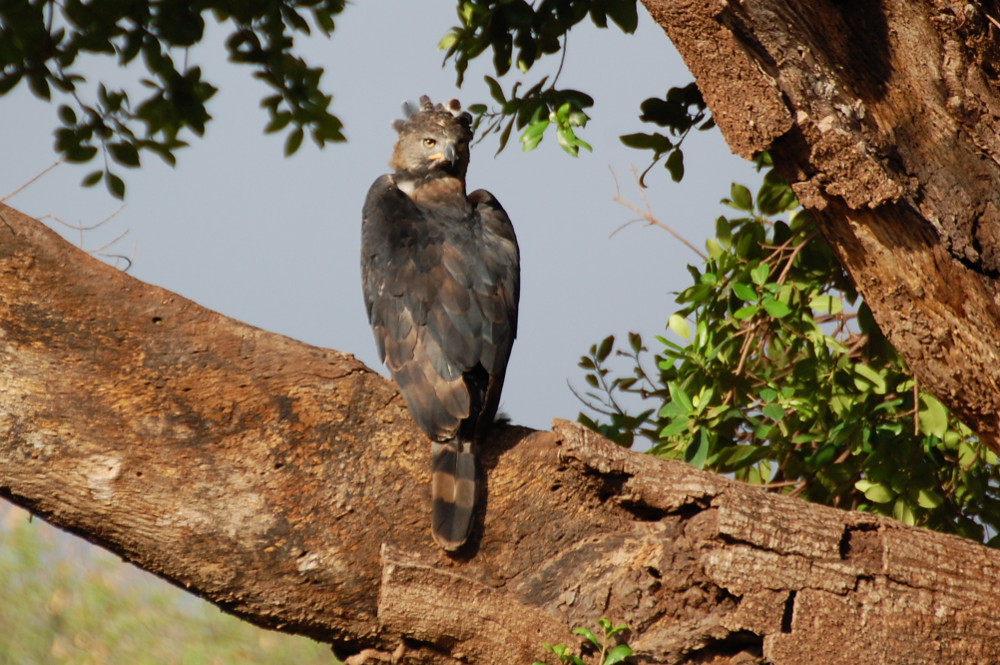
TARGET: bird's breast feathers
(444,192)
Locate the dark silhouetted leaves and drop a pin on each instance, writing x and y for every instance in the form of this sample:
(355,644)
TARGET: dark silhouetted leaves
(680,111)
(35,50)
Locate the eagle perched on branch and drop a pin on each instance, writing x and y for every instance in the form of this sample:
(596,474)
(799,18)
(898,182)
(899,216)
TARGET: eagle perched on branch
(440,271)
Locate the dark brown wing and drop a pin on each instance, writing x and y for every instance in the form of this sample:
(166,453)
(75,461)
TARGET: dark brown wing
(502,264)
(441,287)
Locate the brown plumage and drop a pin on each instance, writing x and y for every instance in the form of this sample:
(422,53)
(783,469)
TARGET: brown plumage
(441,277)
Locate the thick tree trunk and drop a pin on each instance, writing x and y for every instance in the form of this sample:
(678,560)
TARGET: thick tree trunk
(886,116)
(288,485)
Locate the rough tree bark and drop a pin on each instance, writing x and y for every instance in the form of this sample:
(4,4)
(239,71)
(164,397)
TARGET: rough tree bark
(886,116)
(286,483)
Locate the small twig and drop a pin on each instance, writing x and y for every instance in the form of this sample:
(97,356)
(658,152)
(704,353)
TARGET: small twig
(781,483)
(30,182)
(81,227)
(798,490)
(791,259)
(99,251)
(744,352)
(108,244)
(603,409)
(562,60)
(648,216)
(127,260)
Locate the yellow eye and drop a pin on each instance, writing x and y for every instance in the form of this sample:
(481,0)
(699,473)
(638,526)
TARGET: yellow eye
(430,143)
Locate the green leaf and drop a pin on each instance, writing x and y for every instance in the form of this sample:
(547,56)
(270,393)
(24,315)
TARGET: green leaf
(740,198)
(635,342)
(278,122)
(773,411)
(680,397)
(676,427)
(933,420)
(294,141)
(67,115)
(604,350)
(824,455)
(617,654)
(611,632)
(760,273)
(656,142)
(675,164)
(569,141)
(505,135)
(745,292)
(739,455)
(115,185)
(826,303)
(92,178)
(697,451)
(776,308)
(876,492)
(724,232)
(447,41)
(587,633)
(745,312)
(876,380)
(81,153)
(903,512)
(715,250)
(124,153)
(496,91)
(625,14)
(929,499)
(533,135)
(680,326)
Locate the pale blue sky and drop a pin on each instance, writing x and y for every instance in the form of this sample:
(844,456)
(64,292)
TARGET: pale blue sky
(273,241)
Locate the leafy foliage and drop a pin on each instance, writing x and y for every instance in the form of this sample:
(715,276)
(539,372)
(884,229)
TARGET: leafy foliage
(538,108)
(605,652)
(43,40)
(515,31)
(784,380)
(680,111)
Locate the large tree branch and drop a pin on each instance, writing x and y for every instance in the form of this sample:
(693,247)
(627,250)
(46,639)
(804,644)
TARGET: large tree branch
(886,116)
(287,484)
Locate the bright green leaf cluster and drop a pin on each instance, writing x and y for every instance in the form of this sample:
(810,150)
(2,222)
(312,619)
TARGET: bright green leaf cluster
(533,112)
(605,652)
(518,32)
(680,111)
(41,41)
(783,379)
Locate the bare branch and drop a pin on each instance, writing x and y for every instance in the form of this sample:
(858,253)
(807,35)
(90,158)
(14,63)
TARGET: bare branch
(646,214)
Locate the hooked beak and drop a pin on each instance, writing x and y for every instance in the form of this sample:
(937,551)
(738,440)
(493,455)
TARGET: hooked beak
(446,155)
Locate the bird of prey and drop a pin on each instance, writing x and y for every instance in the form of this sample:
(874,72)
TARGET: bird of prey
(441,277)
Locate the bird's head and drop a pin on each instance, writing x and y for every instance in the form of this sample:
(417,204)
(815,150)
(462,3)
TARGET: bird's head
(433,139)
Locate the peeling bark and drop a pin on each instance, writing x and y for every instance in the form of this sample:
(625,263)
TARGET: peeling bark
(287,485)
(885,115)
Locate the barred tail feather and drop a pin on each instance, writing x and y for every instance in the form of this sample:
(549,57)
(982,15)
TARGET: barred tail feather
(453,491)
